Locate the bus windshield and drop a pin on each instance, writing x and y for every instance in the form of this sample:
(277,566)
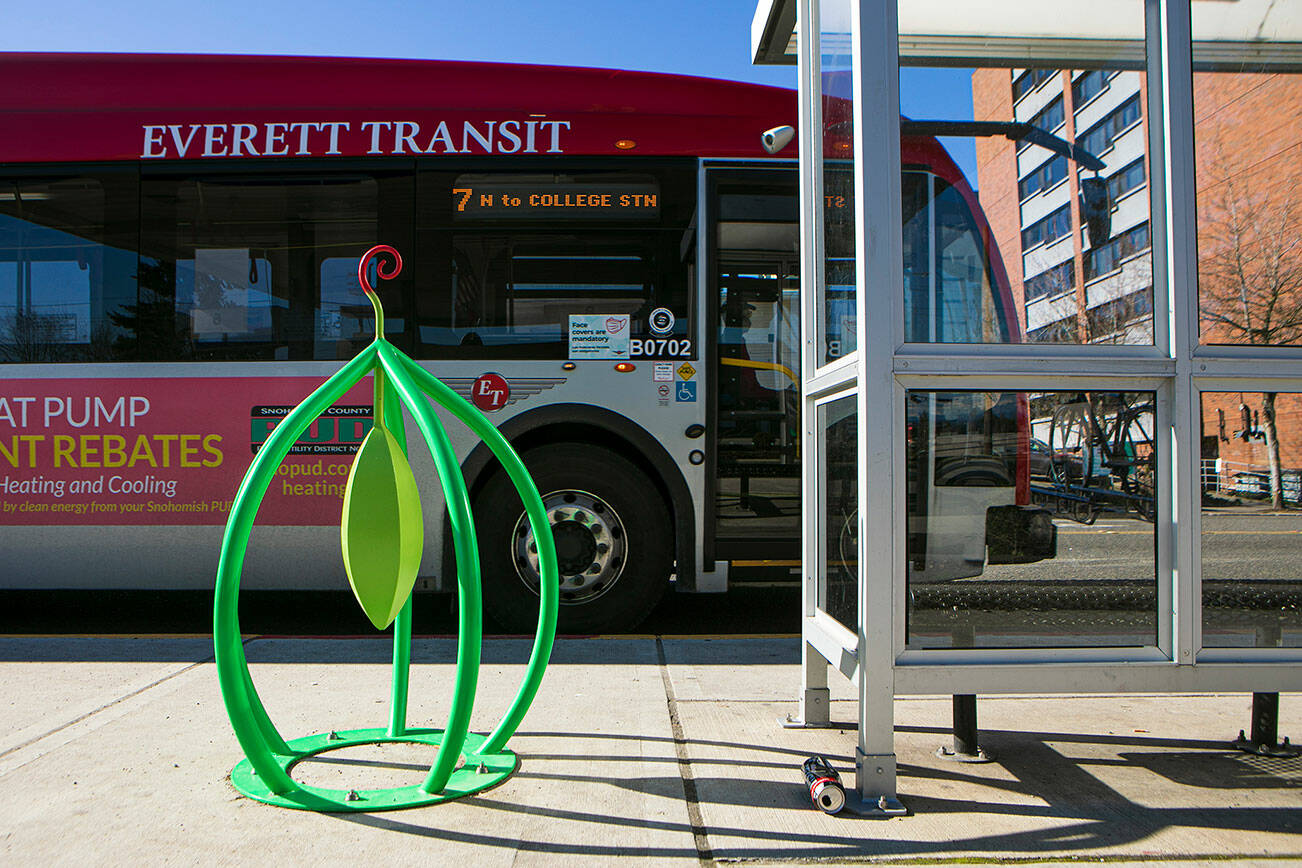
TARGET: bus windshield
(949,292)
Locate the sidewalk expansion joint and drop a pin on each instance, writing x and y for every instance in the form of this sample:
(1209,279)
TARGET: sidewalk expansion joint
(1056,859)
(94,711)
(694,817)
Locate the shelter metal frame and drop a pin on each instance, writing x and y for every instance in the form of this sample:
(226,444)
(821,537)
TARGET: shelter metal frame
(1176,367)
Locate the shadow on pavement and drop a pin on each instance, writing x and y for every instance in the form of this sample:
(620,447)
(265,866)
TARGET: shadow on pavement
(1076,813)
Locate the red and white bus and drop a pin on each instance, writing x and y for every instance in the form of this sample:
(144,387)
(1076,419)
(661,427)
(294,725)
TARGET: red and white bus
(605,262)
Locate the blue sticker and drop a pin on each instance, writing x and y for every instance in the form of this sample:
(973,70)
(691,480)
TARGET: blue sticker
(686,391)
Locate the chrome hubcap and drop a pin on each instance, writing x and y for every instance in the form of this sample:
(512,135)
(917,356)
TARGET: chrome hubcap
(591,546)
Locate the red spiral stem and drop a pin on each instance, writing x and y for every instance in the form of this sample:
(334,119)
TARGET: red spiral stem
(375,251)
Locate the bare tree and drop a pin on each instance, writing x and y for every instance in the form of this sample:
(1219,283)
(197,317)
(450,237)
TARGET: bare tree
(1250,273)
(1052,284)
(31,338)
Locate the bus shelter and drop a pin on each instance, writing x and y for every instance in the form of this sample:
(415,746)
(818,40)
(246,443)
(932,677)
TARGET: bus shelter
(1052,351)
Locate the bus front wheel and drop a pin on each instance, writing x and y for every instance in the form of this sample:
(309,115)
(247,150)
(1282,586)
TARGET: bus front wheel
(614,541)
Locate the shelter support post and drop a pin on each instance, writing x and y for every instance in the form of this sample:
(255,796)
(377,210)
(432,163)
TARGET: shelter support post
(815,709)
(1265,729)
(965,748)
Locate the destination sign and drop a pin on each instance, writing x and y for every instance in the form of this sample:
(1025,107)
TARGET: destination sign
(506,198)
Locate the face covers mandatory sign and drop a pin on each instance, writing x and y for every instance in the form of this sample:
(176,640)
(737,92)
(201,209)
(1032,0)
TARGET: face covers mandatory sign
(599,336)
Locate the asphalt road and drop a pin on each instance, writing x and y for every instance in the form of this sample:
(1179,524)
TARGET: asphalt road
(1252,546)
(1235,546)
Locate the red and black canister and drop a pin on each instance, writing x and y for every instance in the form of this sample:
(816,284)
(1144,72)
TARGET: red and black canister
(824,784)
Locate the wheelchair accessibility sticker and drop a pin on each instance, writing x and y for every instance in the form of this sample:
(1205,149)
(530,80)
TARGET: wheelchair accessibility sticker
(686,391)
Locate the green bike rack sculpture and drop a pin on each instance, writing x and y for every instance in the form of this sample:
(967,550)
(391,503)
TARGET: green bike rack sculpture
(381,534)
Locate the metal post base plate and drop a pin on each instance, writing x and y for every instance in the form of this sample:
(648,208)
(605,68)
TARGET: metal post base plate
(480,772)
(881,808)
(948,753)
(1283,749)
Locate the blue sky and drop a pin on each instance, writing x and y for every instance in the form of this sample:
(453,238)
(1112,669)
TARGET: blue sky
(696,37)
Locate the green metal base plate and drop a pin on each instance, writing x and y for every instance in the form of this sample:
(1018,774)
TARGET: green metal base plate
(479,773)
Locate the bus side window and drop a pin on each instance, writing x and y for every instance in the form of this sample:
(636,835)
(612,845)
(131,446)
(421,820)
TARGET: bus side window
(513,295)
(512,256)
(467,300)
(263,265)
(67,283)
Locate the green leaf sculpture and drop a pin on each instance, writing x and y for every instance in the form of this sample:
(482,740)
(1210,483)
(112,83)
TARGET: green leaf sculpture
(381,529)
(381,532)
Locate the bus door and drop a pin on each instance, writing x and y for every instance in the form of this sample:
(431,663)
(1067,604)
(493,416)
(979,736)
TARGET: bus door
(756,362)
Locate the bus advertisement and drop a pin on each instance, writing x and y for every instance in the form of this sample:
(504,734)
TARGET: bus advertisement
(605,262)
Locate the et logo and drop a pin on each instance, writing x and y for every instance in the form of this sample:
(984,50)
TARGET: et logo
(490,392)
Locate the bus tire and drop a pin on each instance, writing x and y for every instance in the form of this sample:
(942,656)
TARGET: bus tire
(614,541)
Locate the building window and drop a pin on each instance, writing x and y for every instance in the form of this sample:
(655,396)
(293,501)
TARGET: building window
(1108,257)
(1087,86)
(1047,229)
(1042,178)
(1115,315)
(1062,331)
(1055,281)
(1100,137)
(1030,80)
(1125,180)
(1048,119)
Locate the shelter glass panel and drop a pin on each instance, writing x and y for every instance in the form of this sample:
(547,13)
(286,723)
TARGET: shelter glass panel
(1247,139)
(838,304)
(1030,519)
(1251,484)
(1026,202)
(838,578)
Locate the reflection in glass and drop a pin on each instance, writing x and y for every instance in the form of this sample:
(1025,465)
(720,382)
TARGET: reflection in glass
(245,268)
(839,578)
(947,278)
(1247,132)
(67,281)
(1246,135)
(1252,519)
(1059,157)
(839,304)
(1030,519)
(1084,264)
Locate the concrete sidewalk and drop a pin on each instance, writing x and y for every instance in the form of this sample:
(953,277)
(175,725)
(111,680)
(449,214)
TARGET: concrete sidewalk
(116,751)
